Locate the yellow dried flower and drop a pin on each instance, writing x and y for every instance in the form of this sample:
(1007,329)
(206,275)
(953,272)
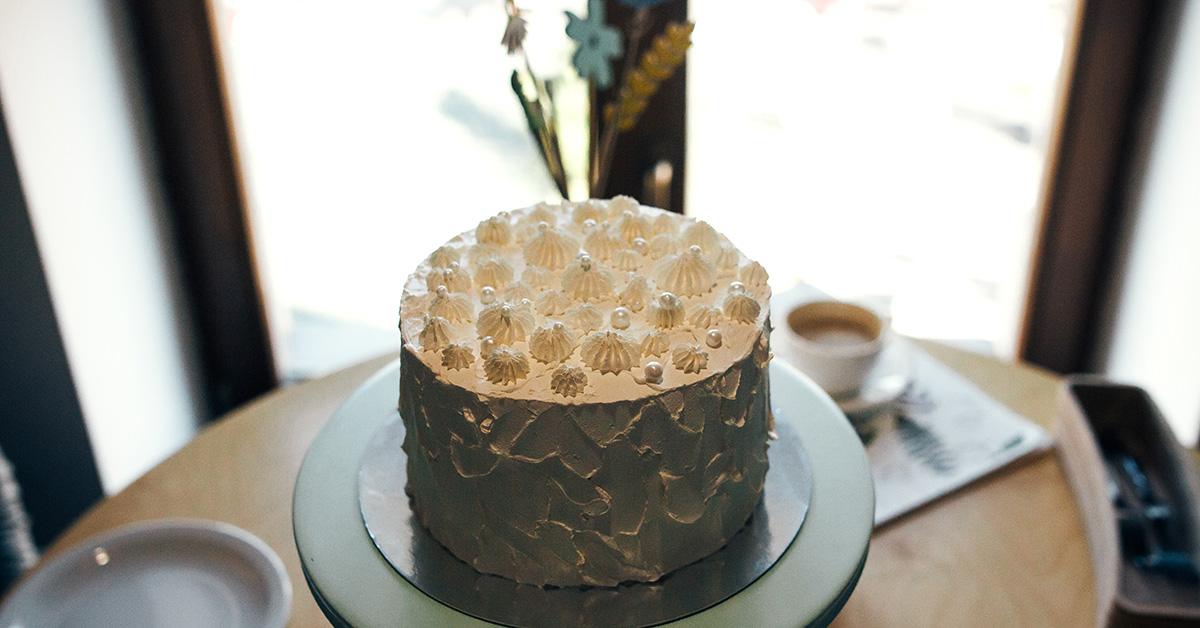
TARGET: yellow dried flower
(656,65)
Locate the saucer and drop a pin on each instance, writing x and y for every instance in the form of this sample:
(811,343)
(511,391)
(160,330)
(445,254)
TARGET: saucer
(189,574)
(884,384)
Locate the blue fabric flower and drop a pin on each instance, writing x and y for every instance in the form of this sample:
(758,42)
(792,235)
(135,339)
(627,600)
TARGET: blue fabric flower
(641,4)
(598,44)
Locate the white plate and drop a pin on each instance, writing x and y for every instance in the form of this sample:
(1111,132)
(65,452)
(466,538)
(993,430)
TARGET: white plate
(183,574)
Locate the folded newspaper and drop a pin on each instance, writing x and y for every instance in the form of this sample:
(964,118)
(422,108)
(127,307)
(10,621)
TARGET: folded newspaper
(939,435)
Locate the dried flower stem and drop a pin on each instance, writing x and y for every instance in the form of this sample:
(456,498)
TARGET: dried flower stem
(604,154)
(540,112)
(663,58)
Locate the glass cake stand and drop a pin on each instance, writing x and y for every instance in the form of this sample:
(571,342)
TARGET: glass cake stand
(806,581)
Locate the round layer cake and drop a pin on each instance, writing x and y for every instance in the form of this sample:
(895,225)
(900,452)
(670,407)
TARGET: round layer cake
(584,392)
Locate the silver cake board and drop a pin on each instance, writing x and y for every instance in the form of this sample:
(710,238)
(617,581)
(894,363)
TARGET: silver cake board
(355,585)
(433,569)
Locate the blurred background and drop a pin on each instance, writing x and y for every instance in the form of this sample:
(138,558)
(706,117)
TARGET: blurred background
(207,201)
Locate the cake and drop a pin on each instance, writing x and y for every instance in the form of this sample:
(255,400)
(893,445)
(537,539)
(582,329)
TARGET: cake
(584,392)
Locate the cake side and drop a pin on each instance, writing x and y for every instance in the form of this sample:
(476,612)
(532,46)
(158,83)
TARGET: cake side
(598,494)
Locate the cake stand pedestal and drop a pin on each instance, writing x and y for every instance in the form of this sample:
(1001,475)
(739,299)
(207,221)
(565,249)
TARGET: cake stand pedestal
(355,585)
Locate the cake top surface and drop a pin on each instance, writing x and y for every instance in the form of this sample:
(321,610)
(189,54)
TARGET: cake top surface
(588,302)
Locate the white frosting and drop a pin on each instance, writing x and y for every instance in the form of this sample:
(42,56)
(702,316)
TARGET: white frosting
(444,256)
(701,234)
(741,308)
(586,280)
(551,343)
(687,274)
(600,243)
(493,272)
(655,343)
(435,334)
(457,357)
(550,248)
(705,317)
(588,210)
(621,204)
(505,323)
(635,294)
(542,212)
(666,311)
(689,358)
(609,352)
(632,225)
(455,279)
(453,307)
(568,381)
(583,300)
(552,303)
(586,317)
(627,260)
(727,261)
(495,230)
(663,245)
(505,366)
(537,277)
(753,274)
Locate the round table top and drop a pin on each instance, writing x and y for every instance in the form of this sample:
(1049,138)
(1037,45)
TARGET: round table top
(1007,550)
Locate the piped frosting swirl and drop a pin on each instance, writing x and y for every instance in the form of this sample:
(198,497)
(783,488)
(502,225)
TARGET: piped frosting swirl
(435,334)
(505,323)
(453,307)
(550,248)
(551,343)
(687,274)
(609,352)
(585,280)
(689,358)
(505,366)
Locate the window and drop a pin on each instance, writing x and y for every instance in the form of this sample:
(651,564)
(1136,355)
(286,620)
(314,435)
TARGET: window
(369,132)
(871,147)
(879,147)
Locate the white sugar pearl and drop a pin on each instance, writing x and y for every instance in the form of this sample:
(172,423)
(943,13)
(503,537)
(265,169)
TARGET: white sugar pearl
(585,261)
(654,372)
(442,291)
(694,249)
(639,245)
(620,318)
(543,226)
(487,295)
(737,287)
(506,309)
(667,299)
(453,266)
(589,224)
(713,338)
(486,345)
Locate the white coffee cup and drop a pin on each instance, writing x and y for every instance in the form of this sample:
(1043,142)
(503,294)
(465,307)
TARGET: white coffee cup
(835,343)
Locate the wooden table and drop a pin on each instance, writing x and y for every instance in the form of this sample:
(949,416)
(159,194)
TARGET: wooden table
(1008,550)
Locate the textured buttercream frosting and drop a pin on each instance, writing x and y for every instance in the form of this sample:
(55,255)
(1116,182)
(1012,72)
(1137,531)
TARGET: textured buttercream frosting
(578,410)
